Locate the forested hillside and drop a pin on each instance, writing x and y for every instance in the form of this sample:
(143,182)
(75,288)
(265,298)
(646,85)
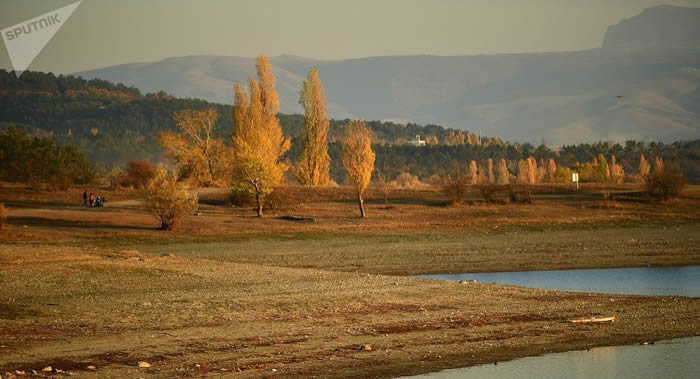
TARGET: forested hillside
(113,123)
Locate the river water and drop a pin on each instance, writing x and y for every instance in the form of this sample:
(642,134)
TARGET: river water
(679,358)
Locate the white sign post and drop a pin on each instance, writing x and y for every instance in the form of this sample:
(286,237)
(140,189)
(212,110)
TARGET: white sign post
(574,178)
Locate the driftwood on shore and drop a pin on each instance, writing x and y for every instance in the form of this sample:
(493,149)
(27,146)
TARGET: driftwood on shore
(593,319)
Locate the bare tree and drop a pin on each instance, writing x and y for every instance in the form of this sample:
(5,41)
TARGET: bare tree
(197,153)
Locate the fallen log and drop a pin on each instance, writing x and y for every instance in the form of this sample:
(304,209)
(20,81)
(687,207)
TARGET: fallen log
(297,218)
(593,319)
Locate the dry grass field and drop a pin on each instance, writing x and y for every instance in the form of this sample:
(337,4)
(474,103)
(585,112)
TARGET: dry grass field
(230,294)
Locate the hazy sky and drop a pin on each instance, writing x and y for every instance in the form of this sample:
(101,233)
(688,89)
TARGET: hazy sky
(107,32)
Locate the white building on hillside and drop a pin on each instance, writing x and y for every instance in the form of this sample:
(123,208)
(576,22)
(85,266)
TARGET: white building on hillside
(417,141)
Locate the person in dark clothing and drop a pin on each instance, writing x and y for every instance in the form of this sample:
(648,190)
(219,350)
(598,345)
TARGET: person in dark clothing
(85,198)
(92,199)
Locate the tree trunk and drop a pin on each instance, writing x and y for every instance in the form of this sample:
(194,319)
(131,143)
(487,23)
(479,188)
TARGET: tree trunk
(257,200)
(362,205)
(256,186)
(211,171)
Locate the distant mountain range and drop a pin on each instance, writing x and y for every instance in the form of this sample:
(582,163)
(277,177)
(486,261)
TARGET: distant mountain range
(662,26)
(644,83)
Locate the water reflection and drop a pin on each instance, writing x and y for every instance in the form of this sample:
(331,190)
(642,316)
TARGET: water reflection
(665,359)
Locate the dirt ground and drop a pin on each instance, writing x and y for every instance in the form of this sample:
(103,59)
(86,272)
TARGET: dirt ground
(230,294)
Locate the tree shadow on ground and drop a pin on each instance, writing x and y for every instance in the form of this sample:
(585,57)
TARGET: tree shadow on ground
(63,223)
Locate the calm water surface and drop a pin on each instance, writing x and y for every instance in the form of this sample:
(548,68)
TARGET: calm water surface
(680,281)
(678,358)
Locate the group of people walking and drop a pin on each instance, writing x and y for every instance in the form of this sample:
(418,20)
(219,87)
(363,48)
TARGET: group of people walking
(93,201)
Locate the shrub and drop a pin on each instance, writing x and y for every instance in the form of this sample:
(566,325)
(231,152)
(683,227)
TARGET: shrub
(434,180)
(562,175)
(3,215)
(406,180)
(167,199)
(138,173)
(281,198)
(35,183)
(665,183)
(383,186)
(456,188)
(520,194)
(491,192)
(241,197)
(116,177)
(57,183)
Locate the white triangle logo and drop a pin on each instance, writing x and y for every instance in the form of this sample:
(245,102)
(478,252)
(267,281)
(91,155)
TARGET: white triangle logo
(25,40)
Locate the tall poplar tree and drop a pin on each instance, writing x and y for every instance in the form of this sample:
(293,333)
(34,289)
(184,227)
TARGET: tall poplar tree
(489,171)
(258,142)
(314,162)
(473,173)
(358,158)
(503,176)
(643,167)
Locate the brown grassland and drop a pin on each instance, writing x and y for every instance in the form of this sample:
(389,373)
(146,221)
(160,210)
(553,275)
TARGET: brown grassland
(227,293)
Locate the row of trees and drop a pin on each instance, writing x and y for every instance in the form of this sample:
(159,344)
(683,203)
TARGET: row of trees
(113,123)
(529,171)
(253,163)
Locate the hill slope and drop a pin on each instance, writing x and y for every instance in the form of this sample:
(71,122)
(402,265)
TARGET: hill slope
(564,96)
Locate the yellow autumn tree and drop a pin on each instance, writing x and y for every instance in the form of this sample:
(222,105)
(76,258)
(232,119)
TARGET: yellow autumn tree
(201,159)
(532,170)
(658,166)
(473,173)
(617,172)
(358,158)
(551,169)
(643,167)
(527,171)
(258,142)
(314,162)
(167,199)
(523,172)
(489,171)
(432,140)
(503,176)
